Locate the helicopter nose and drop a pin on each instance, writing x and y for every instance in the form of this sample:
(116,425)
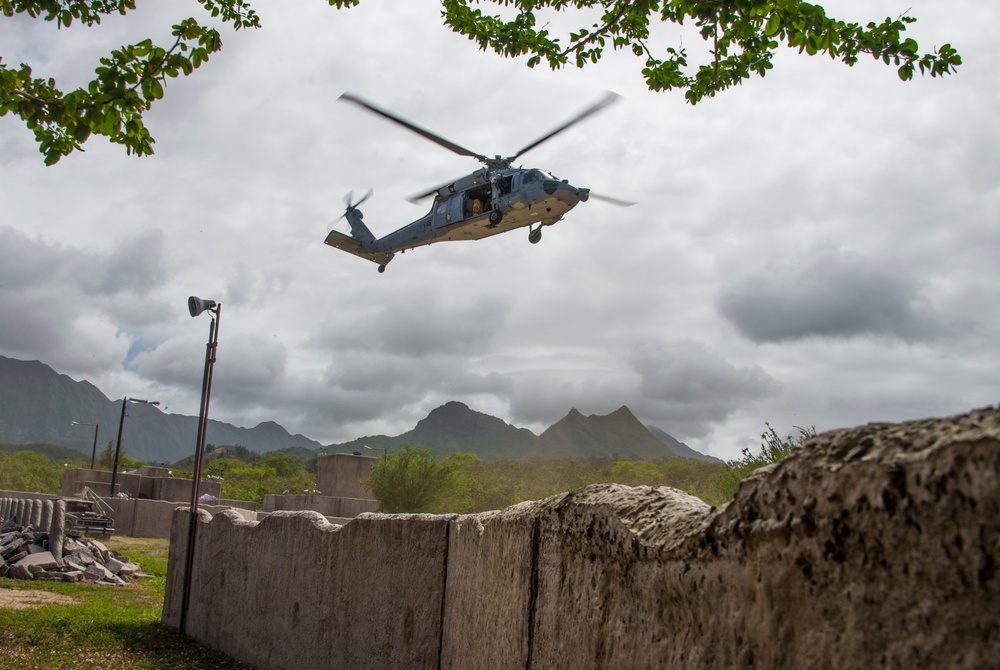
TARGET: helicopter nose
(566,191)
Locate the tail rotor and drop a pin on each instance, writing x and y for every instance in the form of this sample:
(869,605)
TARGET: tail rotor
(353,206)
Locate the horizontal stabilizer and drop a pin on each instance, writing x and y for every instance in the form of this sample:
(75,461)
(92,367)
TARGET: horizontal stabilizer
(353,246)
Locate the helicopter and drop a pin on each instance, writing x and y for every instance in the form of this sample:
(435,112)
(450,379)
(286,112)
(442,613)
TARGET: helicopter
(494,199)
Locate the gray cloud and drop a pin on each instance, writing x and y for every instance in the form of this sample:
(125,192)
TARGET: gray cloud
(691,389)
(67,305)
(829,294)
(254,154)
(540,397)
(418,323)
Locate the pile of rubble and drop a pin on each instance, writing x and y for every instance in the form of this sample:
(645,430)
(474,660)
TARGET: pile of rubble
(40,549)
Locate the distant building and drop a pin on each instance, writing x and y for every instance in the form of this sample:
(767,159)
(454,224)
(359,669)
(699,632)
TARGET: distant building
(339,494)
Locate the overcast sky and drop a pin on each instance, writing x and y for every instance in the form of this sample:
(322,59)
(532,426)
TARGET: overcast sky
(819,247)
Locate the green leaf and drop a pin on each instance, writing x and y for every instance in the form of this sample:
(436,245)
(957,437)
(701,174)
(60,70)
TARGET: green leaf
(773,25)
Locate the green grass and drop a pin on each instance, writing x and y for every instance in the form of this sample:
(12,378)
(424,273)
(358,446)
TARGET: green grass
(105,627)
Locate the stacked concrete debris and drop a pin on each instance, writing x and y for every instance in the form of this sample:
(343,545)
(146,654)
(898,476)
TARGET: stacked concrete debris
(29,551)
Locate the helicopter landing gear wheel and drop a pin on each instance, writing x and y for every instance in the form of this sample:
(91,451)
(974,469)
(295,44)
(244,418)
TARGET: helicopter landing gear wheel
(535,236)
(495,216)
(381,268)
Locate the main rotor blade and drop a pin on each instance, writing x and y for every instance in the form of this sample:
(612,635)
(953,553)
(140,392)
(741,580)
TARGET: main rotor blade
(420,196)
(451,146)
(593,109)
(613,201)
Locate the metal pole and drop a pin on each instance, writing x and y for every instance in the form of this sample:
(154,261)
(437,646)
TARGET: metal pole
(206,391)
(93,454)
(118,448)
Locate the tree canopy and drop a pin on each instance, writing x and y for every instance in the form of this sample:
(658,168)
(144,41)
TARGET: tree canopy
(742,37)
(412,479)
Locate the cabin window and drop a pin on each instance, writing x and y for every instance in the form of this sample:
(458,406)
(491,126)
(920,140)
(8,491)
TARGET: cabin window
(504,185)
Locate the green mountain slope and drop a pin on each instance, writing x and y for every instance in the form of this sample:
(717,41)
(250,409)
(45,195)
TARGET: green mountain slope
(37,404)
(454,427)
(679,447)
(618,434)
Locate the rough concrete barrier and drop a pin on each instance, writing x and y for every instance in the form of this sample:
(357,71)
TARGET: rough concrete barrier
(294,591)
(137,517)
(875,546)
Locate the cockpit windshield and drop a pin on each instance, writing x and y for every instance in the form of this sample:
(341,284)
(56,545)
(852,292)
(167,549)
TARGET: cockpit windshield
(536,175)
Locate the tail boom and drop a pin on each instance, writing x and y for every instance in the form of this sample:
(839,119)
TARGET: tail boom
(353,246)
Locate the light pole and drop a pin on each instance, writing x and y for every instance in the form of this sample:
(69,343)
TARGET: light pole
(385,452)
(97,427)
(118,446)
(196,306)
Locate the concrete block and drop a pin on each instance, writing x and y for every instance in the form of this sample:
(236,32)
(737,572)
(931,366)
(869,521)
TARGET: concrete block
(73,565)
(13,545)
(47,576)
(57,529)
(36,514)
(72,576)
(19,572)
(129,570)
(491,553)
(42,559)
(102,551)
(13,559)
(82,555)
(46,518)
(29,510)
(96,572)
(368,594)
(113,565)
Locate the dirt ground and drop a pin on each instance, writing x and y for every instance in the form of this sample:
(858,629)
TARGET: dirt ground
(20,600)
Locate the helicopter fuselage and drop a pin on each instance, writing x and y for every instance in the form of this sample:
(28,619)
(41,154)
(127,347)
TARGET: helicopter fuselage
(492,200)
(482,204)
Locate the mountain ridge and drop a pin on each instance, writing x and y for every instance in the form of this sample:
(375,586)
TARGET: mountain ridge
(38,404)
(616,435)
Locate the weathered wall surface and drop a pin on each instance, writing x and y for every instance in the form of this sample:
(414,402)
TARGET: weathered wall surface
(295,592)
(340,475)
(325,505)
(136,517)
(27,495)
(875,546)
(154,518)
(146,483)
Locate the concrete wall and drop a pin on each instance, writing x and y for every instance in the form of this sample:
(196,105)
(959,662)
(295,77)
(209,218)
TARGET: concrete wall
(340,475)
(18,495)
(325,505)
(139,517)
(154,518)
(331,597)
(148,483)
(870,547)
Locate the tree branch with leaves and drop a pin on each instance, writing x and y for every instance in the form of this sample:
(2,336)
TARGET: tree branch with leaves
(744,36)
